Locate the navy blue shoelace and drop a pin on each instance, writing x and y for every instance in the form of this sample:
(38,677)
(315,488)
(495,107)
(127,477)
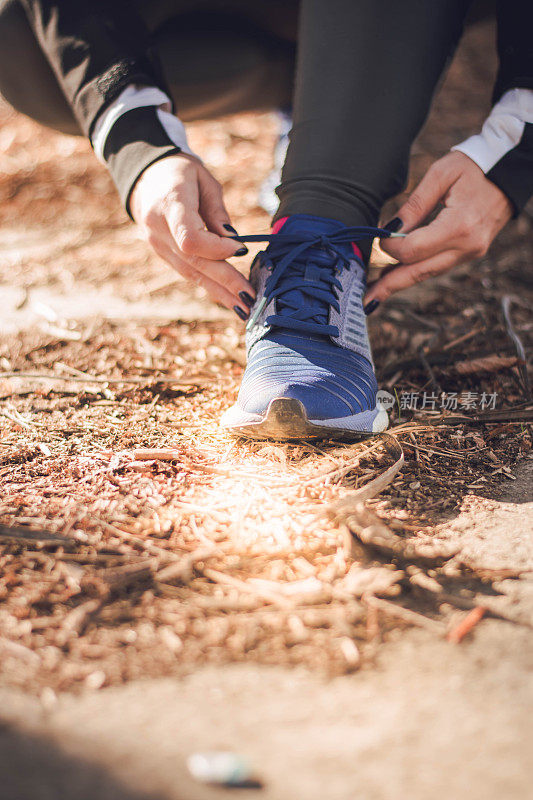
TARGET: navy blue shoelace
(304,268)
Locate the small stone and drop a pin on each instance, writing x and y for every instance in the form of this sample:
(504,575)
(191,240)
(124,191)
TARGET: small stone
(219,767)
(350,651)
(96,679)
(170,639)
(48,698)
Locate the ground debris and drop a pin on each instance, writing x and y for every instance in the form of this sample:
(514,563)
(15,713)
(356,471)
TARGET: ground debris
(138,540)
(211,549)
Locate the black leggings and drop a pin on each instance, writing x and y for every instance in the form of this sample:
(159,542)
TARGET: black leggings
(360,85)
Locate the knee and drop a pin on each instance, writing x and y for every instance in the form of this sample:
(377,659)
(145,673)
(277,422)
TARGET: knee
(29,85)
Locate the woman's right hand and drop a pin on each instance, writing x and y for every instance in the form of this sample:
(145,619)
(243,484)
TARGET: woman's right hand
(179,205)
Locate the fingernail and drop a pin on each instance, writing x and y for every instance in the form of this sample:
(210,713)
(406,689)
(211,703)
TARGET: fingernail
(371,306)
(247,299)
(230,228)
(394,225)
(240,313)
(241,251)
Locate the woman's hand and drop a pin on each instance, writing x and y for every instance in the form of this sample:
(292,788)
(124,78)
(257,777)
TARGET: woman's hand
(179,205)
(475,210)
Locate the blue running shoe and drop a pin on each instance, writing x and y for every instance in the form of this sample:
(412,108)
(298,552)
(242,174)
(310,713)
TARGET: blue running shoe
(310,372)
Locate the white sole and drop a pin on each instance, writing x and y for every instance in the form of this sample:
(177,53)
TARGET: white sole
(286,418)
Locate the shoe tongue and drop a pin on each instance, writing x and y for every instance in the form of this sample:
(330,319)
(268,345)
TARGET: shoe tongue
(307,223)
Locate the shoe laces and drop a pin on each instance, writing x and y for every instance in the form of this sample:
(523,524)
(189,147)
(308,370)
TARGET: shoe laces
(304,276)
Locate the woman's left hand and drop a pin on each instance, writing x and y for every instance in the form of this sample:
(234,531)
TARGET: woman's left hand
(474,212)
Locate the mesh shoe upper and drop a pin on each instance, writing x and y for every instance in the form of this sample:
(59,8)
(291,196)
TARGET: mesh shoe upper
(330,381)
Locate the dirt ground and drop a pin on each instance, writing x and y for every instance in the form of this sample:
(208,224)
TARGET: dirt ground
(165,588)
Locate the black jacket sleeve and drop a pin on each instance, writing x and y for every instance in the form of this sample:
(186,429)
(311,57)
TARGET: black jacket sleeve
(514,172)
(96,48)
(515,46)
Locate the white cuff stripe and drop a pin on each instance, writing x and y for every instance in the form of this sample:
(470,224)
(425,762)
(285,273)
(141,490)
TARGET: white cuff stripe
(175,130)
(502,130)
(133,97)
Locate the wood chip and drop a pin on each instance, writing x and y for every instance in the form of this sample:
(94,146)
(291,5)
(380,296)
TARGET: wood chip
(457,634)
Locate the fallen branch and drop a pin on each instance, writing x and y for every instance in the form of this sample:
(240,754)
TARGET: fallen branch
(411,617)
(340,472)
(515,414)
(492,363)
(372,532)
(438,358)
(132,539)
(265,594)
(77,620)
(115,578)
(182,570)
(28,536)
(519,347)
(93,379)
(339,510)
(17,418)
(17,650)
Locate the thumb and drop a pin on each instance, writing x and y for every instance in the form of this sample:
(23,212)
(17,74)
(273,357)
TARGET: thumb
(211,206)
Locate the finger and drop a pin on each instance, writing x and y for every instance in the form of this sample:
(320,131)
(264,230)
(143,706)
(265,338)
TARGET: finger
(214,212)
(233,284)
(216,217)
(402,277)
(212,208)
(218,271)
(218,292)
(425,197)
(423,243)
(192,239)
(223,273)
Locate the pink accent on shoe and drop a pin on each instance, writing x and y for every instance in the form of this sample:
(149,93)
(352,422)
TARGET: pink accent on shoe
(279,223)
(357,251)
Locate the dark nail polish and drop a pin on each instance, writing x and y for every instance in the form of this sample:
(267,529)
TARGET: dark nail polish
(242,251)
(240,313)
(247,299)
(394,225)
(230,228)
(370,307)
